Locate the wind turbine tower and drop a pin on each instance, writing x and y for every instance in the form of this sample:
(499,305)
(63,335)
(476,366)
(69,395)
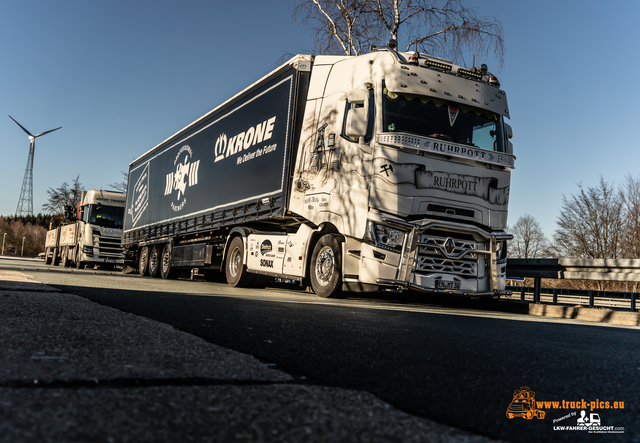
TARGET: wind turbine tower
(25,204)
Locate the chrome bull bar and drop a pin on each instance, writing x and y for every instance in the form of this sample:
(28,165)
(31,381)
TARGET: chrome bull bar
(410,248)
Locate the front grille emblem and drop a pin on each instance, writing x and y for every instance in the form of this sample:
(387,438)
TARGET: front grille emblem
(449,245)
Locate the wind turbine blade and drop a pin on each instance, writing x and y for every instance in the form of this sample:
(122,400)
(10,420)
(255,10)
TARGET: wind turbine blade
(46,132)
(23,128)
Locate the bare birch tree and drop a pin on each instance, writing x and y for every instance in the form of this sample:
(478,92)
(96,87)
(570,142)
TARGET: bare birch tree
(528,239)
(630,196)
(64,195)
(122,185)
(590,223)
(445,28)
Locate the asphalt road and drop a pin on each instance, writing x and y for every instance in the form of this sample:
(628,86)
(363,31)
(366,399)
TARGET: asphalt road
(455,363)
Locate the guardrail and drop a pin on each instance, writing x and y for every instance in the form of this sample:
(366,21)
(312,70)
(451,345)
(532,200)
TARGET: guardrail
(573,297)
(576,269)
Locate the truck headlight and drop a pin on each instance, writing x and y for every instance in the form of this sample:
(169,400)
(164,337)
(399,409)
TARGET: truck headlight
(384,236)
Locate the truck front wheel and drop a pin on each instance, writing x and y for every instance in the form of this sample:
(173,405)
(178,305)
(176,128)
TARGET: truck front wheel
(326,267)
(166,271)
(237,275)
(143,264)
(154,261)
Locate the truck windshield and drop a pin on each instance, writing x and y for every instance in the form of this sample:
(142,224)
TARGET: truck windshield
(443,120)
(108,216)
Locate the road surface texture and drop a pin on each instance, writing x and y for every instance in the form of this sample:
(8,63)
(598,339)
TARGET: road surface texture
(428,360)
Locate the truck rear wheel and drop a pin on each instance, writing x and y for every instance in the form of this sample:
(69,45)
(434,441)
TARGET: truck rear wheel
(326,267)
(55,260)
(237,274)
(65,257)
(166,271)
(143,264)
(154,261)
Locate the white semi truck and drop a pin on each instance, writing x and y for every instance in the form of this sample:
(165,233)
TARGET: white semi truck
(345,173)
(92,235)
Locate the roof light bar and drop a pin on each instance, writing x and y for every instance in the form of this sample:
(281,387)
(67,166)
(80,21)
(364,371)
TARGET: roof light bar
(437,65)
(469,73)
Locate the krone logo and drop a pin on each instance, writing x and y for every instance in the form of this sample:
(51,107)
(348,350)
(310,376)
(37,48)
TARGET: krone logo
(243,140)
(221,147)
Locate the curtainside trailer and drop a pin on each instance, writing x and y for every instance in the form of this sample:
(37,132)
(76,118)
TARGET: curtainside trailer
(345,173)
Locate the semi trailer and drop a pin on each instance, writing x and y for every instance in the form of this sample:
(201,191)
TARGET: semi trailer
(386,170)
(91,234)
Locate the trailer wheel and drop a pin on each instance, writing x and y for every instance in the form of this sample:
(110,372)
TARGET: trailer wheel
(143,264)
(166,271)
(154,261)
(326,268)
(79,263)
(65,257)
(47,258)
(237,275)
(55,260)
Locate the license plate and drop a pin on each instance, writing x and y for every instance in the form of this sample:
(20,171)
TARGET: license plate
(446,284)
(109,260)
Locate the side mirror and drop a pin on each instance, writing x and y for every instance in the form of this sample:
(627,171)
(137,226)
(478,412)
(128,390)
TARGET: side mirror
(356,125)
(509,135)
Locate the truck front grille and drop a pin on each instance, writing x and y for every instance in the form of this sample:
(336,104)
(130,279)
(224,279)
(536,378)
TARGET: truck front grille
(107,247)
(430,260)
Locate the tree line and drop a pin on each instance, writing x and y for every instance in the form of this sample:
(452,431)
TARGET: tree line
(601,221)
(597,222)
(28,231)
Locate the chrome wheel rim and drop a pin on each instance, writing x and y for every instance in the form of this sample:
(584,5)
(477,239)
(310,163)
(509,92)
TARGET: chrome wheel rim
(153,261)
(235,262)
(325,266)
(166,261)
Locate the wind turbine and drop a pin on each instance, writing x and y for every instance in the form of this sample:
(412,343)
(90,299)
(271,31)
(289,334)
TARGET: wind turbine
(25,204)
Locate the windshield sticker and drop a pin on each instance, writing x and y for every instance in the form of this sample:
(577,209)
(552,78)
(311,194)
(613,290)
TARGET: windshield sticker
(453,114)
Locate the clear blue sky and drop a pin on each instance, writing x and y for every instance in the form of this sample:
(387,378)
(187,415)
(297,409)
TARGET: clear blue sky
(121,76)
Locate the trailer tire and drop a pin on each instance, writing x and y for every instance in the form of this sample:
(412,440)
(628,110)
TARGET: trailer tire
(154,261)
(55,259)
(143,263)
(166,271)
(237,274)
(65,257)
(79,263)
(326,267)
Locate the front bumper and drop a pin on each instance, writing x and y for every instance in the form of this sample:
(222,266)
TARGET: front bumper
(90,254)
(449,263)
